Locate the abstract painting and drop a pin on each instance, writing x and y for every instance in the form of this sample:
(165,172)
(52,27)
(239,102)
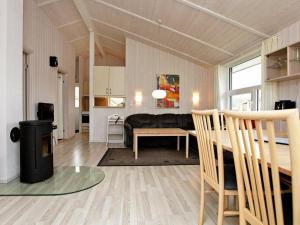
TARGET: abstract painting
(170,83)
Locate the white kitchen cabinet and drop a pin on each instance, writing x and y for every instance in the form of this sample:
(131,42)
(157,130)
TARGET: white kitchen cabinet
(101,79)
(116,81)
(109,80)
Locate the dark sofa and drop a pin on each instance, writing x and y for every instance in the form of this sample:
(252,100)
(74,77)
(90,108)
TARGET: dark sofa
(183,121)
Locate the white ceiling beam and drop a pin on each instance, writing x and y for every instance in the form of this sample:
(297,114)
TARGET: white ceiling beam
(109,51)
(104,47)
(69,24)
(86,19)
(79,38)
(109,38)
(151,41)
(165,27)
(100,48)
(47,2)
(224,18)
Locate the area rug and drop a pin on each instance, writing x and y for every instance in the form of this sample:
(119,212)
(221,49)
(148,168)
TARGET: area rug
(147,157)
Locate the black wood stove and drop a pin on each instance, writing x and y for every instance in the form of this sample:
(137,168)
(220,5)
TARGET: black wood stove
(36,148)
(36,151)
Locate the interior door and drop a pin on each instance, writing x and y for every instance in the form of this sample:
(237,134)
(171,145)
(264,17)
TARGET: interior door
(25,86)
(101,80)
(116,81)
(60,107)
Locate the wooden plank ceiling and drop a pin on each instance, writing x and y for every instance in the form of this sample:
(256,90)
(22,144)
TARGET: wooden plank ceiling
(203,31)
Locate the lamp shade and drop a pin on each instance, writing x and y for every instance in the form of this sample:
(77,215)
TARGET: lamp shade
(159,94)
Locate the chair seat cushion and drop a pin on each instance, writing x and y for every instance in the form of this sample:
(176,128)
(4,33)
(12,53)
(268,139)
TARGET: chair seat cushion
(229,177)
(227,156)
(287,205)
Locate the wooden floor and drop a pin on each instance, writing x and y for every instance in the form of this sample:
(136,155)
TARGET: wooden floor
(165,195)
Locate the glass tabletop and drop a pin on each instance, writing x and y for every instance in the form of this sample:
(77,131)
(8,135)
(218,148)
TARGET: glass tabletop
(66,180)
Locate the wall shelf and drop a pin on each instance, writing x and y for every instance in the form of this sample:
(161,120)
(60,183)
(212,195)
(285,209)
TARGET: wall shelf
(115,130)
(283,64)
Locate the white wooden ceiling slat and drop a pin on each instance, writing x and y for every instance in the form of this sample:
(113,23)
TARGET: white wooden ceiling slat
(78,29)
(111,44)
(163,26)
(221,17)
(162,36)
(108,31)
(69,24)
(151,41)
(85,17)
(79,38)
(61,12)
(47,2)
(112,39)
(268,16)
(228,25)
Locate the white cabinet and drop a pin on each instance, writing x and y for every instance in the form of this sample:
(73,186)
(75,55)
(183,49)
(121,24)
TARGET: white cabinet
(101,80)
(116,81)
(109,80)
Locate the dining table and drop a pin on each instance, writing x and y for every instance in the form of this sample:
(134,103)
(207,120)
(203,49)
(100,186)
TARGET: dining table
(283,150)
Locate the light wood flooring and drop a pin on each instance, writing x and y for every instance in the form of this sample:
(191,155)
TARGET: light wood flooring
(163,195)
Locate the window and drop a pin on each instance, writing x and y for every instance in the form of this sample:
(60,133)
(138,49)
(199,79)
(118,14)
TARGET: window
(76,97)
(245,84)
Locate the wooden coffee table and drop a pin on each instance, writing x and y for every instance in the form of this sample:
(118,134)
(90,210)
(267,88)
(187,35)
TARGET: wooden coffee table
(160,132)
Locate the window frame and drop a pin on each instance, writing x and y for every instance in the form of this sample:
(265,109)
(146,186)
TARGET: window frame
(253,90)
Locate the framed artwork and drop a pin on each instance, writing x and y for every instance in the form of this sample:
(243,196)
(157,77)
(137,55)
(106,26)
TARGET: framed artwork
(170,83)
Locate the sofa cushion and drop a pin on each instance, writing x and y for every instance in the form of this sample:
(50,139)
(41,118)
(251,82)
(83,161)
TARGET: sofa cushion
(167,120)
(187,122)
(142,120)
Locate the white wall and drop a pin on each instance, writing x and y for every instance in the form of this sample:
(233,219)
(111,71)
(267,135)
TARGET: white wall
(143,62)
(42,39)
(11,39)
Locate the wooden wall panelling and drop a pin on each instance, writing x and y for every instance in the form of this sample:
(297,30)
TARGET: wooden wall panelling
(143,62)
(43,39)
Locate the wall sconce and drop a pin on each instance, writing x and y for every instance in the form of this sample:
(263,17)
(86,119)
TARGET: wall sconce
(138,98)
(196,98)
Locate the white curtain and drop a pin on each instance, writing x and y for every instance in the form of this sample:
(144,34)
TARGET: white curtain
(269,89)
(221,81)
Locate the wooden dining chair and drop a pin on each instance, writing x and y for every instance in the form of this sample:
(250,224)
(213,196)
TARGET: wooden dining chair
(222,120)
(261,199)
(220,177)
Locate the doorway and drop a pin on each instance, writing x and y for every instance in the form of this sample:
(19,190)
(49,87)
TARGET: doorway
(25,85)
(60,106)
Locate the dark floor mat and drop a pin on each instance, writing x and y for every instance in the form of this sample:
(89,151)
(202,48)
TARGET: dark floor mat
(147,157)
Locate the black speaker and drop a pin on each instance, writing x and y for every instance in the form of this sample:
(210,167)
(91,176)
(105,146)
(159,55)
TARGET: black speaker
(285,104)
(53,62)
